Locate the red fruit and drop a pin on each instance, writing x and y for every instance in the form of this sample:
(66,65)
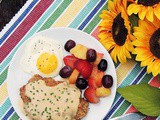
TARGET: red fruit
(92,83)
(90,95)
(97,76)
(69,60)
(98,59)
(84,67)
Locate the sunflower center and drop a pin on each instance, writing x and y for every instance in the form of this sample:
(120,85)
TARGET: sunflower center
(119,31)
(155,43)
(148,2)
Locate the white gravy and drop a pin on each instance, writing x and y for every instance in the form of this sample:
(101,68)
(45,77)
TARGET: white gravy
(51,103)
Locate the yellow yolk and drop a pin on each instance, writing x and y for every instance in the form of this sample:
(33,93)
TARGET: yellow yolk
(47,63)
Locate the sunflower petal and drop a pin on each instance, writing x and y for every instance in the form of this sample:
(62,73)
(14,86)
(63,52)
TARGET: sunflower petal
(141,50)
(142,13)
(139,43)
(121,55)
(114,54)
(156,64)
(124,3)
(103,29)
(133,8)
(149,68)
(140,35)
(158,7)
(159,69)
(143,57)
(156,24)
(149,14)
(106,16)
(147,61)
(145,25)
(157,13)
(111,6)
(127,54)
(107,43)
(105,23)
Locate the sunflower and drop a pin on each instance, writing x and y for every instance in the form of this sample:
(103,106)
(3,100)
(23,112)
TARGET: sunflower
(115,29)
(145,9)
(148,45)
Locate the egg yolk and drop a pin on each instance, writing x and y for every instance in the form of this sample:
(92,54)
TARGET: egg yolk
(47,63)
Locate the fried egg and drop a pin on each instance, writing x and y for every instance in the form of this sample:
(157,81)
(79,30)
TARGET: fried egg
(42,56)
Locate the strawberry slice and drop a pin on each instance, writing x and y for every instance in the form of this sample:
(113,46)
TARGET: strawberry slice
(90,95)
(69,60)
(92,83)
(84,67)
(97,75)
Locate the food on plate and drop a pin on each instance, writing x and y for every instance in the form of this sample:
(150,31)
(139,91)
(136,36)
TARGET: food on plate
(65,72)
(102,65)
(84,67)
(79,51)
(69,45)
(91,55)
(90,95)
(42,56)
(74,76)
(84,73)
(45,98)
(98,59)
(89,72)
(92,83)
(97,76)
(81,83)
(103,92)
(69,60)
(107,81)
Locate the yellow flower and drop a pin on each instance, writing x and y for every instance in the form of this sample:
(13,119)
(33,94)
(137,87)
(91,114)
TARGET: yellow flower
(145,9)
(115,29)
(148,45)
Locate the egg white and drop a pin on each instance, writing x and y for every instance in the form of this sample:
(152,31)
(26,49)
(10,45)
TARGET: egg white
(37,46)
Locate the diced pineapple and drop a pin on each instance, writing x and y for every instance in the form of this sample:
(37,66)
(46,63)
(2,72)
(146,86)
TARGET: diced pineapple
(103,92)
(79,51)
(74,76)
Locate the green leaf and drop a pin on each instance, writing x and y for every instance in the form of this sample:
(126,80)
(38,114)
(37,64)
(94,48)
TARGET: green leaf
(145,98)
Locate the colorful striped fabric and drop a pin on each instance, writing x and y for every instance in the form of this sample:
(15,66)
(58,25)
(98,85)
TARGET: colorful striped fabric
(78,14)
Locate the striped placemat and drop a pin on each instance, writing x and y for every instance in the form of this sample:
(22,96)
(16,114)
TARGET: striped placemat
(38,15)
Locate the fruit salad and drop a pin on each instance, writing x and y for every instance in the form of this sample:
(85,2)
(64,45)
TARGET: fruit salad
(85,67)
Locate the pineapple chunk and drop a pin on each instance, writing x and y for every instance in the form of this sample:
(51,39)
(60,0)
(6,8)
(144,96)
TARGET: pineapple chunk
(103,92)
(74,76)
(79,51)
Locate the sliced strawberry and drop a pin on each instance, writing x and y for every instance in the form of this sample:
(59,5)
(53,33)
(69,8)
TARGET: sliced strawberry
(90,95)
(69,60)
(74,76)
(97,76)
(84,67)
(98,59)
(92,83)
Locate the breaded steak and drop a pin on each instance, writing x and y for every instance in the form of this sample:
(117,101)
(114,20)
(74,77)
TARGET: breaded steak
(82,107)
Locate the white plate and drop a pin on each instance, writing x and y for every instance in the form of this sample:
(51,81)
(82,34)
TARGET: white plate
(17,78)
